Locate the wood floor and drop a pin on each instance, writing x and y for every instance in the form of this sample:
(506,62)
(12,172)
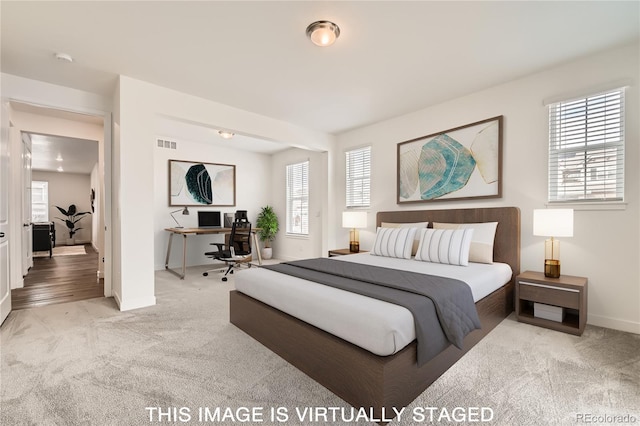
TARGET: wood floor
(59,279)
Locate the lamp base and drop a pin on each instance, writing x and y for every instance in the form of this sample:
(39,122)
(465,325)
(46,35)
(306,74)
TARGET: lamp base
(552,268)
(354,246)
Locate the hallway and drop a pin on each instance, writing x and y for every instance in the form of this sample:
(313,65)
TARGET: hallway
(59,279)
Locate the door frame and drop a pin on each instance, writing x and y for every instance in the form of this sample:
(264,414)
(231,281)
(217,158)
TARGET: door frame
(5,223)
(106,197)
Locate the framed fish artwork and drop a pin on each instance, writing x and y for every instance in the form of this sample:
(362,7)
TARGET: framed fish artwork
(456,164)
(201,184)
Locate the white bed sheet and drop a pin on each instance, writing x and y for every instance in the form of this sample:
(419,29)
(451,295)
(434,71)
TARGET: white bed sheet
(379,327)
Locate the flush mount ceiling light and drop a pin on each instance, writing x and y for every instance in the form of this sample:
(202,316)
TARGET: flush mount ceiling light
(225,134)
(323,33)
(64,57)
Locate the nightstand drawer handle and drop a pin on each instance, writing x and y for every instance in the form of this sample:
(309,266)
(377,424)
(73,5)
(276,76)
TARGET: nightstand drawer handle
(550,286)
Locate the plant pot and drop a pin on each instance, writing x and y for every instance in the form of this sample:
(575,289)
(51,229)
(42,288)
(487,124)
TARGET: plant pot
(267,253)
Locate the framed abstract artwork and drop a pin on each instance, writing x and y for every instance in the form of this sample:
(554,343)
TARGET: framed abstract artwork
(456,164)
(201,184)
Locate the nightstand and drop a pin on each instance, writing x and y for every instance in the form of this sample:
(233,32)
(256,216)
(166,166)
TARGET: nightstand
(343,252)
(567,292)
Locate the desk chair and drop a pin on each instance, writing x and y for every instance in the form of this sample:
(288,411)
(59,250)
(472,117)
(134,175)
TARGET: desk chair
(237,251)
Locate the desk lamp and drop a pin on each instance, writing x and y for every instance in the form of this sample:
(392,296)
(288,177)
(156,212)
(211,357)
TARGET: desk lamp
(184,211)
(552,223)
(354,220)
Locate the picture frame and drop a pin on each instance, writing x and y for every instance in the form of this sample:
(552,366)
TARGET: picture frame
(196,183)
(462,163)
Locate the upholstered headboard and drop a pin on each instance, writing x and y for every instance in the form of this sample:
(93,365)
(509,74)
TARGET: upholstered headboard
(506,247)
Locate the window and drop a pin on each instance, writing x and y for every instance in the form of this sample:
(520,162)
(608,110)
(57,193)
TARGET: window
(298,198)
(359,177)
(39,201)
(586,148)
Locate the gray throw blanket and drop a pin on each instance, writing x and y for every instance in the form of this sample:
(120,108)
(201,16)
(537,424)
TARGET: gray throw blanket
(442,308)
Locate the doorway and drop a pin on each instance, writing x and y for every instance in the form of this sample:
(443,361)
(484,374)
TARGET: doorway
(68,154)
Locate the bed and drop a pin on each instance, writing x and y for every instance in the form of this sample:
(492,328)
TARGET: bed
(359,376)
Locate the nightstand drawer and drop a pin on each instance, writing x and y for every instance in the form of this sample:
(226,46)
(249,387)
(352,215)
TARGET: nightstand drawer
(550,295)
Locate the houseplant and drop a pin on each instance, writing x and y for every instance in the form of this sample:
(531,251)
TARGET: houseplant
(73,216)
(268,224)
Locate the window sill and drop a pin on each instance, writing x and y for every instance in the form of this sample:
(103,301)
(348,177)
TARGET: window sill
(593,206)
(298,236)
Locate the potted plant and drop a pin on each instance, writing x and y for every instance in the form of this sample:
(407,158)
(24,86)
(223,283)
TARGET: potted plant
(268,224)
(73,216)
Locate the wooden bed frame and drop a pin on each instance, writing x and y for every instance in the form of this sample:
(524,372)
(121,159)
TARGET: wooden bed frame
(359,377)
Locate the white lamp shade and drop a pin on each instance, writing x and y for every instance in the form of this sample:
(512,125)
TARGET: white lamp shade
(553,222)
(354,219)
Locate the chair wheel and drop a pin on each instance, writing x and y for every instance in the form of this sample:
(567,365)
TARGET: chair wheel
(231,272)
(224,278)
(205,274)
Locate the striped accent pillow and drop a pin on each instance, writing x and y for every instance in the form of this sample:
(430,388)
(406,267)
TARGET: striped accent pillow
(394,242)
(450,246)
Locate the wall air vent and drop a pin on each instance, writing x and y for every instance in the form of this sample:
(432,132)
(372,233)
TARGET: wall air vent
(163,143)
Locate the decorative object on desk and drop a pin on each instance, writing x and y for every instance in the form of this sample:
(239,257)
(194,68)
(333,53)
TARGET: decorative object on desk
(197,184)
(228,220)
(552,223)
(354,220)
(268,224)
(460,163)
(185,212)
(73,216)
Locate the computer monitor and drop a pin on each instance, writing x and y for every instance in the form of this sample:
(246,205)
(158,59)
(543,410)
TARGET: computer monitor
(208,219)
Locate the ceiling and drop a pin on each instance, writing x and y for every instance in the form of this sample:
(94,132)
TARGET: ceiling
(392,57)
(51,152)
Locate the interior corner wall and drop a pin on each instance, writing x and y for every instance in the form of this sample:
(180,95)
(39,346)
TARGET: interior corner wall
(253,191)
(606,243)
(292,247)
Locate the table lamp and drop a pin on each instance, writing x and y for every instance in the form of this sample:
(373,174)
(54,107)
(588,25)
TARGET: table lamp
(552,223)
(354,220)
(184,211)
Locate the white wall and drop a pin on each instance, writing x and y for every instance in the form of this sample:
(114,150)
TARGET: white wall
(606,243)
(140,104)
(66,189)
(291,247)
(253,173)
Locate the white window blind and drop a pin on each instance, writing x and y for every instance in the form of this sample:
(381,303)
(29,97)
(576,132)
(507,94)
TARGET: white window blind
(298,198)
(359,177)
(39,201)
(586,148)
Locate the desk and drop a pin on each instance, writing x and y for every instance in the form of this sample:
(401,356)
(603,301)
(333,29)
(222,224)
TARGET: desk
(185,232)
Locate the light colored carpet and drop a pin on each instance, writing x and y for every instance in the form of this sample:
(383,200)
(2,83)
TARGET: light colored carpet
(62,251)
(86,363)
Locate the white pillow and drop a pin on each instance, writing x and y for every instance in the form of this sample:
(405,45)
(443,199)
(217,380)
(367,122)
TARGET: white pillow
(416,240)
(483,237)
(450,246)
(394,242)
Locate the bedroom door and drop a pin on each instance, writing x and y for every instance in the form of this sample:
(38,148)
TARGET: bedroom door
(27,230)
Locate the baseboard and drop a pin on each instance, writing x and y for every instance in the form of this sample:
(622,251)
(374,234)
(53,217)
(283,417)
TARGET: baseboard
(614,323)
(135,303)
(18,284)
(116,297)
